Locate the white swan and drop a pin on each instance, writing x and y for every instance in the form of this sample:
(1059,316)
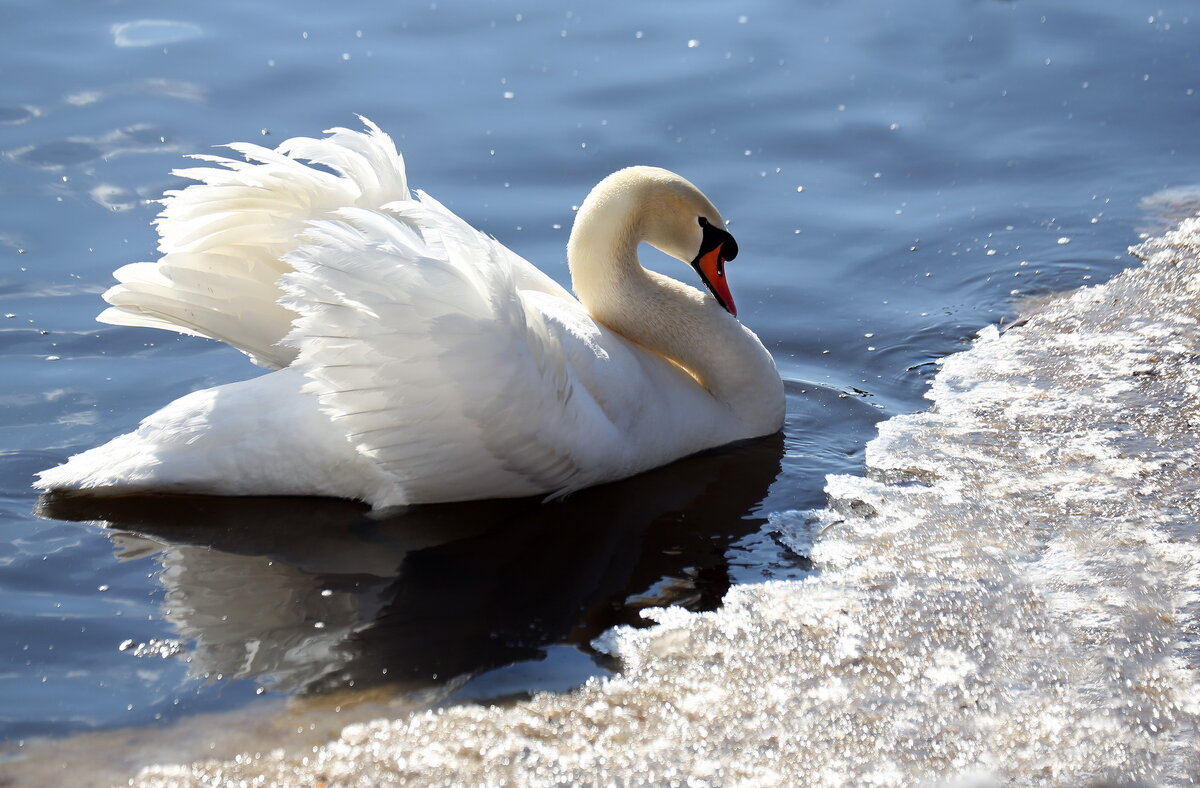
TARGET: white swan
(417,359)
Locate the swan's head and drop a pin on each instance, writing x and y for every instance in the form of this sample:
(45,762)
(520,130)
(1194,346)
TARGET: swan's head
(669,213)
(677,219)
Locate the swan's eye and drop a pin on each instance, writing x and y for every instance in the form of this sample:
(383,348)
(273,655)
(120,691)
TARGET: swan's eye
(703,222)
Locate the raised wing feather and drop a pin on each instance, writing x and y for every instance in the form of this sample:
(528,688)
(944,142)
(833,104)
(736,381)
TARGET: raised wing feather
(444,359)
(224,238)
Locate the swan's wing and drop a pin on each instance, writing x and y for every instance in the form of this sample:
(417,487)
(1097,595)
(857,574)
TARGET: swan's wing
(444,361)
(224,238)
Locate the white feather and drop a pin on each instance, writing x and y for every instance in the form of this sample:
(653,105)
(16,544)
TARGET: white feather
(224,238)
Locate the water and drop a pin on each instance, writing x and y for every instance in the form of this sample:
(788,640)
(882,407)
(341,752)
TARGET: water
(897,175)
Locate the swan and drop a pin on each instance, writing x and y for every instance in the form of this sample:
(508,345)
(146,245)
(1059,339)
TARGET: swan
(415,359)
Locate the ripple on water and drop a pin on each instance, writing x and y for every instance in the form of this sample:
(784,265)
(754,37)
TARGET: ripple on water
(11,115)
(153,32)
(81,150)
(59,153)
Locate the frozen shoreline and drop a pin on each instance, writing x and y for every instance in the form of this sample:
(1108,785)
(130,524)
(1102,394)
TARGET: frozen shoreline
(1013,594)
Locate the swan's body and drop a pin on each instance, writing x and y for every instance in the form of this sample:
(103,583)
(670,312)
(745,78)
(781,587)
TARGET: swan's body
(417,359)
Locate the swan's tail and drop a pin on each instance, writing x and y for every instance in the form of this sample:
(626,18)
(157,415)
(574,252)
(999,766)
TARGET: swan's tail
(224,238)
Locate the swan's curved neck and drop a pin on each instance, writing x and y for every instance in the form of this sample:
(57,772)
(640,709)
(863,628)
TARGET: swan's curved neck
(675,320)
(602,251)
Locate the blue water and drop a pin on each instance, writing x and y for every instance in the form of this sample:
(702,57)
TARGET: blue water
(897,176)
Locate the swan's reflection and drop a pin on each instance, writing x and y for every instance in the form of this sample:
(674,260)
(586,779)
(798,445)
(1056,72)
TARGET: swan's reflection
(308,594)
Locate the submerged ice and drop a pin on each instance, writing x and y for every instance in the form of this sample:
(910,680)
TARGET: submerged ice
(1009,595)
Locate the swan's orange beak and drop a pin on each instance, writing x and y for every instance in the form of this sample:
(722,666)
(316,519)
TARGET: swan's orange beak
(716,248)
(711,267)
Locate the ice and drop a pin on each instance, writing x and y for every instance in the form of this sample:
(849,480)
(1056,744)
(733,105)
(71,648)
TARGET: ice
(1009,596)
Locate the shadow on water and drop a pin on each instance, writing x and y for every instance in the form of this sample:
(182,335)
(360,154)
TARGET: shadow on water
(309,595)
